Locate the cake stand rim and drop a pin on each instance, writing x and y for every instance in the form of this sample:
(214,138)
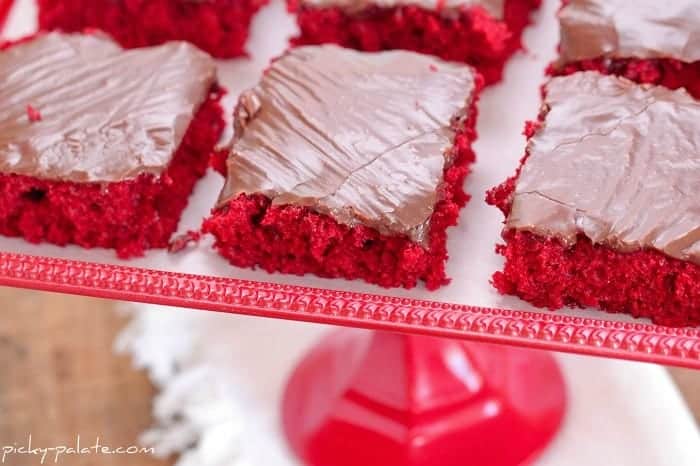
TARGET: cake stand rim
(540,330)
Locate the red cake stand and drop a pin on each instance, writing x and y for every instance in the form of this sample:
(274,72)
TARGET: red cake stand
(385,399)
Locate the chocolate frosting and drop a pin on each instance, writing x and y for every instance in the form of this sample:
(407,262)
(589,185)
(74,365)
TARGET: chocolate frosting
(362,137)
(617,162)
(106,114)
(494,7)
(630,29)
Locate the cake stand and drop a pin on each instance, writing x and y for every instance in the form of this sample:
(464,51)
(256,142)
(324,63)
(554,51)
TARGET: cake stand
(396,396)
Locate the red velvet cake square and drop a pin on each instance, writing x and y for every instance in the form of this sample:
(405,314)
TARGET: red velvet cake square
(219,27)
(646,41)
(604,210)
(482,33)
(349,164)
(99,146)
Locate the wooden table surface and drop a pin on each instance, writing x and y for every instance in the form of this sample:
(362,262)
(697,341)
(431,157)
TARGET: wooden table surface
(59,378)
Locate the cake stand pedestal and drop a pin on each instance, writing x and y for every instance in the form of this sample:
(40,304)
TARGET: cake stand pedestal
(365,398)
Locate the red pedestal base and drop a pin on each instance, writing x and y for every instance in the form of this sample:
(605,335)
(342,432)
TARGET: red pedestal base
(379,399)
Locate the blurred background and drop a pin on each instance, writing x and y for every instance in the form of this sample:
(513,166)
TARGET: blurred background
(60,377)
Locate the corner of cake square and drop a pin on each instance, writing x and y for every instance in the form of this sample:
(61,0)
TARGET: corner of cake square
(644,41)
(603,211)
(99,146)
(219,27)
(482,33)
(349,164)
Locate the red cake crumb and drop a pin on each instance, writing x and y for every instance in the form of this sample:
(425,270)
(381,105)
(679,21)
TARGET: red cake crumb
(219,27)
(670,73)
(33,114)
(297,240)
(129,216)
(473,37)
(181,242)
(218,160)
